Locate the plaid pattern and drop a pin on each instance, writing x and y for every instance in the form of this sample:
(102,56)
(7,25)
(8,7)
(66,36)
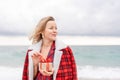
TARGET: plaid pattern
(49,59)
(25,69)
(67,69)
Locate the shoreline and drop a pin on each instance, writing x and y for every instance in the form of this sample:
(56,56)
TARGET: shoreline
(18,72)
(70,40)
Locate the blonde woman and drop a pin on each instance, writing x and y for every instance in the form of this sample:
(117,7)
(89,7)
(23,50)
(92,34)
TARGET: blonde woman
(48,58)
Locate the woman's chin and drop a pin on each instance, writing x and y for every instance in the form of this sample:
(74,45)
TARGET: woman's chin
(53,39)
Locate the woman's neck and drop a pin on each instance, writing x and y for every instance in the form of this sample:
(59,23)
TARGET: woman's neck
(46,43)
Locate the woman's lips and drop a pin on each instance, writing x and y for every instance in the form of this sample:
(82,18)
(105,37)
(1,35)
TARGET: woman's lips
(54,35)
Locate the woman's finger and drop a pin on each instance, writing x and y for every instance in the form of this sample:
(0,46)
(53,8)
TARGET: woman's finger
(36,54)
(48,73)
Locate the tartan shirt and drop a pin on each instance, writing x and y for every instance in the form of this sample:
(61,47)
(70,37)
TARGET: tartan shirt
(67,68)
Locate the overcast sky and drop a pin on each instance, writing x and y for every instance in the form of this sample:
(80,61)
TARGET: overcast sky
(73,17)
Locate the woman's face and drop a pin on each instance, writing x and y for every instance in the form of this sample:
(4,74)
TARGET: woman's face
(50,31)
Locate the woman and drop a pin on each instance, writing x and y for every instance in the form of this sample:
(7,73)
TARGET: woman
(47,49)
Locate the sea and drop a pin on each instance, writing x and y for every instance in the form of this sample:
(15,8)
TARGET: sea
(99,62)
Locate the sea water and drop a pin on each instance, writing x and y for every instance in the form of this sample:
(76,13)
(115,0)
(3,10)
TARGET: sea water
(97,62)
(93,62)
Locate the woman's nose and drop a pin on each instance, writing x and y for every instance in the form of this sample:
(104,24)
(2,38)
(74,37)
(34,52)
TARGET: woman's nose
(55,30)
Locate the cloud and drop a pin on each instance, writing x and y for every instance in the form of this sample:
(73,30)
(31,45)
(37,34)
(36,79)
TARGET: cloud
(76,17)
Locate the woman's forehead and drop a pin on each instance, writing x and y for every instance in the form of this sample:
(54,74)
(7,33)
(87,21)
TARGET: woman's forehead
(51,23)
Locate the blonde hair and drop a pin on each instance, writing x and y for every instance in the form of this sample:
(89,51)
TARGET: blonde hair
(37,33)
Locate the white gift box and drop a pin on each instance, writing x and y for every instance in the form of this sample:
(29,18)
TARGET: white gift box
(46,66)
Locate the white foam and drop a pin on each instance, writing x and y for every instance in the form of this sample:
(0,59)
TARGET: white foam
(103,73)
(84,72)
(8,73)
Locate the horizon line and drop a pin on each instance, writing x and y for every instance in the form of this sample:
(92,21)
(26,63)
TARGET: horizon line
(70,40)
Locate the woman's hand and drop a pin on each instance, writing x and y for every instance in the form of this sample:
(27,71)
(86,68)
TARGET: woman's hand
(36,58)
(46,73)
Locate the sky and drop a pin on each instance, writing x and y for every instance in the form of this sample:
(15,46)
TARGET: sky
(73,17)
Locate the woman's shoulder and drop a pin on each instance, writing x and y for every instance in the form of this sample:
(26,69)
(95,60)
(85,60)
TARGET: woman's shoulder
(62,45)
(67,48)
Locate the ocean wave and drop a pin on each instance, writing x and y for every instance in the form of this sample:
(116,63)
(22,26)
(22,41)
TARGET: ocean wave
(84,73)
(10,73)
(98,73)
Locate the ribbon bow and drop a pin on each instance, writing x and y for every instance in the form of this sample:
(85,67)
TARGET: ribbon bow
(45,64)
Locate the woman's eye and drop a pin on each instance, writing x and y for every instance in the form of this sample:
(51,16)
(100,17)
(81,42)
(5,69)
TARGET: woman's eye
(56,28)
(51,28)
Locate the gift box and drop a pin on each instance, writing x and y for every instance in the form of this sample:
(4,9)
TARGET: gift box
(46,66)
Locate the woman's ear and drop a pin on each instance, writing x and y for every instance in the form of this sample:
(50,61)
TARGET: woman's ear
(42,35)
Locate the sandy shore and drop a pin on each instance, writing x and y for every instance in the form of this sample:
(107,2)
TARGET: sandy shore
(70,40)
